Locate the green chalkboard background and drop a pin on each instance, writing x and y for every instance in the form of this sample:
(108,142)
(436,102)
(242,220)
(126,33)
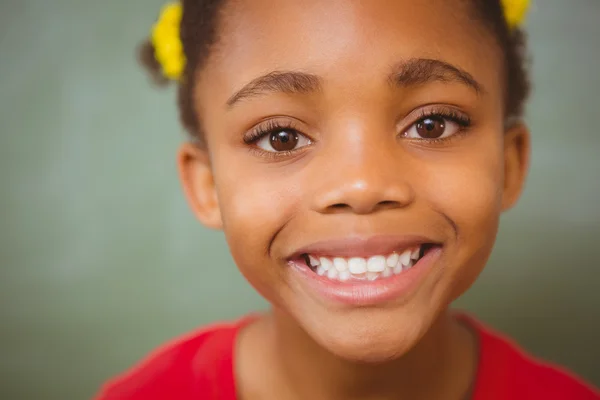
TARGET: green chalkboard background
(101,260)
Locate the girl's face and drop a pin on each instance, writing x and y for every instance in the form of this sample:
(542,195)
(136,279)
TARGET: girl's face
(358,131)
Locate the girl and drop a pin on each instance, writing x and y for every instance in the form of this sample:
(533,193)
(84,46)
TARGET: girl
(358,155)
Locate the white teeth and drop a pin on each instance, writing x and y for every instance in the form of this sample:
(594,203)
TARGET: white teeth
(358,268)
(392,260)
(326,263)
(405,257)
(415,254)
(372,276)
(344,276)
(357,265)
(313,261)
(332,273)
(376,264)
(340,264)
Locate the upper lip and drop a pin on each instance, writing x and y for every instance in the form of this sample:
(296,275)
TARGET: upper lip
(362,246)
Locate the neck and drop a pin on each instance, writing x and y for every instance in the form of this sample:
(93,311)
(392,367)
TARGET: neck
(440,366)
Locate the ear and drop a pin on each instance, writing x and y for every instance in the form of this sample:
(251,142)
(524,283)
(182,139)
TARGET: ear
(196,176)
(517,147)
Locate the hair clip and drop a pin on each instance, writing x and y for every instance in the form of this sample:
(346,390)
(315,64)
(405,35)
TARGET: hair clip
(168,49)
(515,12)
(166,40)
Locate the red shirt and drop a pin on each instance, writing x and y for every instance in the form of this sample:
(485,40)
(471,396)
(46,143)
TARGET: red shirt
(200,367)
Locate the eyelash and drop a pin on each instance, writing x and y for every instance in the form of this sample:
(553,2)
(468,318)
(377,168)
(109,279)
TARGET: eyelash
(270,126)
(462,120)
(266,129)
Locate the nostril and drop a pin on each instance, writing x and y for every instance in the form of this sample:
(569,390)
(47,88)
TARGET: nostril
(387,204)
(382,205)
(339,206)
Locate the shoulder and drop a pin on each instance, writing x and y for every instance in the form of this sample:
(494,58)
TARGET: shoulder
(183,368)
(506,371)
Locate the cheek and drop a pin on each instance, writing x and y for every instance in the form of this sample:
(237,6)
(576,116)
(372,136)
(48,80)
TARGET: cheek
(255,204)
(468,191)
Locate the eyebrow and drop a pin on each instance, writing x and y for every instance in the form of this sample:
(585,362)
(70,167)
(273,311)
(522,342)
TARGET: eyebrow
(290,82)
(420,71)
(413,72)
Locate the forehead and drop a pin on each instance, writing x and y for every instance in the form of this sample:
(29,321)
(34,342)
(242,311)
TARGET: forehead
(337,39)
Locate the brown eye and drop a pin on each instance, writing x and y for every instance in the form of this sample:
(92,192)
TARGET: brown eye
(433,127)
(282,140)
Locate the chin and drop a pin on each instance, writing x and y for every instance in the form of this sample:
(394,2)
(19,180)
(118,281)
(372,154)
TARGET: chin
(377,353)
(370,347)
(370,339)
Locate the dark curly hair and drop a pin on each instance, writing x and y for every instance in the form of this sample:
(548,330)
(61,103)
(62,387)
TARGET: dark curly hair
(198,34)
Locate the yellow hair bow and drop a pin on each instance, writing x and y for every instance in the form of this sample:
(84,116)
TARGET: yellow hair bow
(515,11)
(168,49)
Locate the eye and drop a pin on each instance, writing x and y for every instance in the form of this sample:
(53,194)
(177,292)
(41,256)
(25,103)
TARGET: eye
(282,140)
(433,127)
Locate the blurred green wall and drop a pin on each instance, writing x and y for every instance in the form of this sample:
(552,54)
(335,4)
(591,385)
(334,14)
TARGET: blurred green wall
(101,259)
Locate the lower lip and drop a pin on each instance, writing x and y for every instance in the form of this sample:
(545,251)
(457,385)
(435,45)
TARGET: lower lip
(368,293)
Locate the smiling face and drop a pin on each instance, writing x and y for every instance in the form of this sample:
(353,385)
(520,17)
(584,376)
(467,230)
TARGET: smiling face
(358,161)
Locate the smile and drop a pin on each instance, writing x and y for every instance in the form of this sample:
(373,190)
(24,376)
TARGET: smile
(364,271)
(376,267)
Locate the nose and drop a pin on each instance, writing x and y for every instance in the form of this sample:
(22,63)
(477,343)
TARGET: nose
(363,178)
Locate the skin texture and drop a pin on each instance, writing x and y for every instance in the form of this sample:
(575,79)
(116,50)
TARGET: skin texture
(360,176)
